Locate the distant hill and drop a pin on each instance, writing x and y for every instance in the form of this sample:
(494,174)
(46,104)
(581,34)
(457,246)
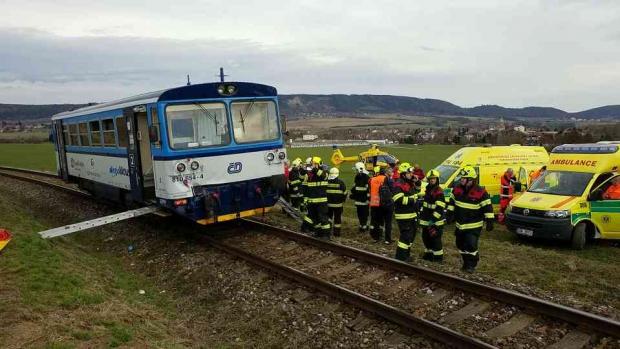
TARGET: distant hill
(17,112)
(299,105)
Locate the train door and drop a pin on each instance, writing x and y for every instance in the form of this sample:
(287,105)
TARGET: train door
(59,144)
(140,160)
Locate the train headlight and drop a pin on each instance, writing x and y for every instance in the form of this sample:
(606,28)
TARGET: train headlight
(221,90)
(230,89)
(181,167)
(270,157)
(194,165)
(281,155)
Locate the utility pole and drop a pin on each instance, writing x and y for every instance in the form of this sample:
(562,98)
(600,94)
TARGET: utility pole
(188,82)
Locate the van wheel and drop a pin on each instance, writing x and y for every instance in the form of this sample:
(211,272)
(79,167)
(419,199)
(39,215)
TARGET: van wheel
(578,241)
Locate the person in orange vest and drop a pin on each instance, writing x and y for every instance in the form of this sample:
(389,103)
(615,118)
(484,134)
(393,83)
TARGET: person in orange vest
(507,185)
(381,206)
(613,191)
(534,175)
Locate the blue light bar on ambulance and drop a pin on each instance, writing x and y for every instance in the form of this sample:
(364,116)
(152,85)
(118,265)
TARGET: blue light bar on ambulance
(585,149)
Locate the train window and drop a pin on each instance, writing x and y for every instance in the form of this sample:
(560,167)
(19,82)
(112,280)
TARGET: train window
(65,134)
(155,122)
(95,133)
(73,134)
(108,133)
(83,130)
(255,121)
(197,125)
(121,129)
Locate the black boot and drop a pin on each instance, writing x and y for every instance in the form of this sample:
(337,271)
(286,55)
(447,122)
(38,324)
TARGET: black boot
(428,256)
(438,258)
(403,254)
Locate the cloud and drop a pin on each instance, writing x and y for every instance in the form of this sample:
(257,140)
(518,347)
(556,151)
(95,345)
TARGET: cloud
(550,53)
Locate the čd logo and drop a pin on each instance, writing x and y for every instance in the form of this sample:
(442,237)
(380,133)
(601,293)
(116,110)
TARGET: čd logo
(234,167)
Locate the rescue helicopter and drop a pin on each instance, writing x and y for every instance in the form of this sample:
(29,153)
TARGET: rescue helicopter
(371,157)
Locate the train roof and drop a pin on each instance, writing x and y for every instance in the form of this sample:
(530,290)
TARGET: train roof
(198,91)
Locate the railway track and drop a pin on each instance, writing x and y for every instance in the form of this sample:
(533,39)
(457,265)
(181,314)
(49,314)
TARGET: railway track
(447,308)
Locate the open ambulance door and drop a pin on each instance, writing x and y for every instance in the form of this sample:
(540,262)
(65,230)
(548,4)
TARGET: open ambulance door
(605,212)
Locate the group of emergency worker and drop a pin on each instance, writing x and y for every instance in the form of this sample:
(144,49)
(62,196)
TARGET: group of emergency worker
(388,193)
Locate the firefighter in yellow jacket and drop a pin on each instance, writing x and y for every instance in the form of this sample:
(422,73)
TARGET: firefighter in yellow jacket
(432,218)
(336,196)
(405,196)
(315,197)
(469,206)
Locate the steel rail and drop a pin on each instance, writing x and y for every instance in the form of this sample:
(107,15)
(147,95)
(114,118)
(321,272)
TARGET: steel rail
(577,317)
(38,181)
(392,314)
(34,172)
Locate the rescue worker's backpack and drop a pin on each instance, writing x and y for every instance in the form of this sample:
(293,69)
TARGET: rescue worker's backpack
(385,194)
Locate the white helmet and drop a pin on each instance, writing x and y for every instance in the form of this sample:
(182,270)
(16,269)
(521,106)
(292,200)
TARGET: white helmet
(333,173)
(309,160)
(359,167)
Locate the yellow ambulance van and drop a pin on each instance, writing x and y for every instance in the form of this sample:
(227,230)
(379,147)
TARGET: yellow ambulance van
(490,163)
(573,200)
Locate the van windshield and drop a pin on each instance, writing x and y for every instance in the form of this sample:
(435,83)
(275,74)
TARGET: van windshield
(445,172)
(561,183)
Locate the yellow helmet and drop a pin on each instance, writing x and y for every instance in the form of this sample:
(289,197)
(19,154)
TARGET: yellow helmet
(316,160)
(404,167)
(433,174)
(296,162)
(468,172)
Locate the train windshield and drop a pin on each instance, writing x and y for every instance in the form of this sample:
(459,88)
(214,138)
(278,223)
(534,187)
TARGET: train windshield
(255,121)
(197,125)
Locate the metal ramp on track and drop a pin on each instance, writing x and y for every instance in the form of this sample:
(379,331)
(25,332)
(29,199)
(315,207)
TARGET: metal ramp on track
(72,228)
(290,210)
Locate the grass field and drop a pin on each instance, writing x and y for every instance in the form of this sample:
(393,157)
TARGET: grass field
(34,156)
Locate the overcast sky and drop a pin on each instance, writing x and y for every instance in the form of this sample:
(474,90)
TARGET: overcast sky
(564,54)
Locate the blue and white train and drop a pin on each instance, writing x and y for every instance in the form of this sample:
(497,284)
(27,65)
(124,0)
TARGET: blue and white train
(209,152)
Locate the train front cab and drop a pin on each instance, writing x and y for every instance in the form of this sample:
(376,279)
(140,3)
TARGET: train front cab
(210,159)
(566,202)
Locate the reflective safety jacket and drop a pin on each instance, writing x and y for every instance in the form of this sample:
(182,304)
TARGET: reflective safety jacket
(405,197)
(433,207)
(315,188)
(612,192)
(336,192)
(294,182)
(507,186)
(379,186)
(470,206)
(359,191)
